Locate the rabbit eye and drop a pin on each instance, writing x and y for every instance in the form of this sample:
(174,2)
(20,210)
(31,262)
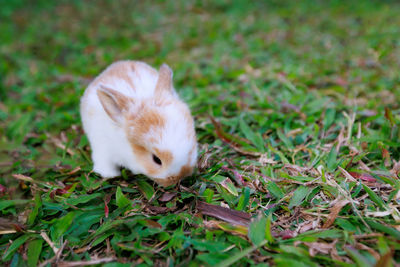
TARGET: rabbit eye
(157,160)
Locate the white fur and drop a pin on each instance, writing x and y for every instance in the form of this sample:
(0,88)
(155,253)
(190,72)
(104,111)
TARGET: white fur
(110,146)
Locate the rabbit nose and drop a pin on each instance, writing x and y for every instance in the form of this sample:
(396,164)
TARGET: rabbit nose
(167,181)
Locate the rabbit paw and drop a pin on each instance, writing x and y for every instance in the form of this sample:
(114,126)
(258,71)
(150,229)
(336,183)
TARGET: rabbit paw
(106,171)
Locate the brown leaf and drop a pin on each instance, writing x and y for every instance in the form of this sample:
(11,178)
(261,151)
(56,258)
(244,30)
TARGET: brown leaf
(245,152)
(370,250)
(60,191)
(367,236)
(73,171)
(363,166)
(363,176)
(233,141)
(220,132)
(386,156)
(157,210)
(347,175)
(23,178)
(296,170)
(227,184)
(396,168)
(287,234)
(306,226)
(18,227)
(94,261)
(334,254)
(334,212)
(385,260)
(204,161)
(233,229)
(225,214)
(236,175)
(7,224)
(323,248)
(153,224)
(319,247)
(389,116)
(83,249)
(167,196)
(58,143)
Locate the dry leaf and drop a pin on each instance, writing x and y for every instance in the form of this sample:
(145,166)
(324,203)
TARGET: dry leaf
(306,226)
(347,175)
(363,176)
(334,212)
(23,178)
(370,250)
(319,247)
(396,168)
(229,215)
(233,229)
(385,260)
(84,263)
(167,196)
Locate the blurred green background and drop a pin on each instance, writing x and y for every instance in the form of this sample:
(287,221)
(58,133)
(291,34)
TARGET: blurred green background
(285,75)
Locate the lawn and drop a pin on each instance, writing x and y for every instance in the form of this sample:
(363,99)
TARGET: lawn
(297,111)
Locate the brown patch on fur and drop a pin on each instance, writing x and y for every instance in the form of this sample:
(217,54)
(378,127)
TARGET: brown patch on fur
(121,71)
(145,121)
(185,171)
(167,182)
(161,100)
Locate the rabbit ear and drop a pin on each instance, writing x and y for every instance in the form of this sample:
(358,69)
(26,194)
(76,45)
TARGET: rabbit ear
(164,82)
(113,102)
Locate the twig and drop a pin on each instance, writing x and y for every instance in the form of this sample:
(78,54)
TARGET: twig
(51,244)
(56,257)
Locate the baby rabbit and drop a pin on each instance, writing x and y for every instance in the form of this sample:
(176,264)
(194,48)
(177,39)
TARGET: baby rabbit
(133,118)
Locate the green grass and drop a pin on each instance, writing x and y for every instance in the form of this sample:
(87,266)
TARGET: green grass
(297,117)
